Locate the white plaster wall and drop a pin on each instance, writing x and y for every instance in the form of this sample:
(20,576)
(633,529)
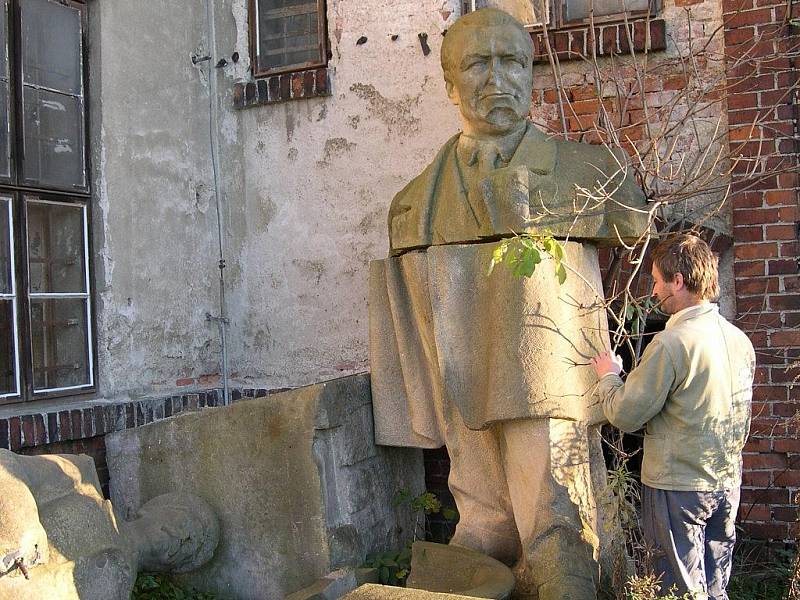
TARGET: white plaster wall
(319,176)
(304,187)
(154,215)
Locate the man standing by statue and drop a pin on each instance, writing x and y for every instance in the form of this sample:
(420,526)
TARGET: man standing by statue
(692,391)
(495,367)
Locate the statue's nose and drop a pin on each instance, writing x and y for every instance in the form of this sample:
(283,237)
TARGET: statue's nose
(495,72)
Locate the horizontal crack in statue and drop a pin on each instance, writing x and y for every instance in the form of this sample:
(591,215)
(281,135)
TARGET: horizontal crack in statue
(496,367)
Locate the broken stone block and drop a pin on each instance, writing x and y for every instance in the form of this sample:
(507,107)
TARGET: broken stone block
(295,477)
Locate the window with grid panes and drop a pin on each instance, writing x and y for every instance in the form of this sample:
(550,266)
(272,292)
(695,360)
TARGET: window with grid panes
(46,338)
(557,14)
(287,35)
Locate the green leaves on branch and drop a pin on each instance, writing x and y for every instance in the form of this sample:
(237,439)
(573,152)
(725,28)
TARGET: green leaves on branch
(393,566)
(523,252)
(636,313)
(426,502)
(634,316)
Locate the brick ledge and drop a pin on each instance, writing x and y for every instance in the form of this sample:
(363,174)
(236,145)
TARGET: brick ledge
(281,88)
(607,38)
(32,429)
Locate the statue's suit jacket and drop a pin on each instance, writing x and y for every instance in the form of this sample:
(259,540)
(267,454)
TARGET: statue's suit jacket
(498,348)
(569,189)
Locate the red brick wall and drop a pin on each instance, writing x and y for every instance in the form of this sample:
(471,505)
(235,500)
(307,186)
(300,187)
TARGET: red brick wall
(762,90)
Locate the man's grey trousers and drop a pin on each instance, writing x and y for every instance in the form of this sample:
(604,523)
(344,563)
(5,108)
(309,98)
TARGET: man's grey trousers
(691,535)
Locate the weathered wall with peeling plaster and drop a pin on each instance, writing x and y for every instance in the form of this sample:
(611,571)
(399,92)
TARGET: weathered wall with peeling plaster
(154,217)
(318,179)
(305,188)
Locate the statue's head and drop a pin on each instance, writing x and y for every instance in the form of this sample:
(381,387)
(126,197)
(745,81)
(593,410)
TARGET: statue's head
(486,59)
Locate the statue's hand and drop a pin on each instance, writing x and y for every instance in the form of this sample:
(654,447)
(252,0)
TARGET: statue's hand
(506,193)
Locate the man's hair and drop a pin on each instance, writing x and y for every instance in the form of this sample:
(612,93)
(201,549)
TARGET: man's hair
(690,256)
(485,17)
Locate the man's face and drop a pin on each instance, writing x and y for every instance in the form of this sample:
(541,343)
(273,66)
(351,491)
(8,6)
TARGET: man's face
(491,84)
(664,291)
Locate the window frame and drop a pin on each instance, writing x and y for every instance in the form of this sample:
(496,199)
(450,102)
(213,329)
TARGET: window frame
(10,50)
(558,9)
(18,98)
(29,198)
(20,193)
(322,37)
(13,296)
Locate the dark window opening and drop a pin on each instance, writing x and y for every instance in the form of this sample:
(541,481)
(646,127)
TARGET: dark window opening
(287,35)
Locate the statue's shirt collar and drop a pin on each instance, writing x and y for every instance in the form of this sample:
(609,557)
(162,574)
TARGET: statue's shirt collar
(470,148)
(528,147)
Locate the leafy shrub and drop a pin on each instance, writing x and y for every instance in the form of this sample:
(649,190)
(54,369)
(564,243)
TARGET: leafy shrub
(393,566)
(157,586)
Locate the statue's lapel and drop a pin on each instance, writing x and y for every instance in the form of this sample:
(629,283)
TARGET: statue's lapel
(536,152)
(461,213)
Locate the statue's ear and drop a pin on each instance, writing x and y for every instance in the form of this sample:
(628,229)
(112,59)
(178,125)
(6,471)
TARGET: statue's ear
(452,92)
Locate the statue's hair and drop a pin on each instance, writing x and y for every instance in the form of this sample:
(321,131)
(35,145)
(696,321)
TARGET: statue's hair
(485,17)
(690,256)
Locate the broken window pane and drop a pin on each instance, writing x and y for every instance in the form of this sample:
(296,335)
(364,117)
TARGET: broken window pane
(53,139)
(8,355)
(580,9)
(51,46)
(289,34)
(59,343)
(56,259)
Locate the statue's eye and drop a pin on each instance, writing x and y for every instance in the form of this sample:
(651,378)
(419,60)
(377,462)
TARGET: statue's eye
(474,64)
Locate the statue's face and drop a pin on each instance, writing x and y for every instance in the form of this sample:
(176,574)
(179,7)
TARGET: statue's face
(492,82)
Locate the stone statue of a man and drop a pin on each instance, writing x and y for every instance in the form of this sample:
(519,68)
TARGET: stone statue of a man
(494,367)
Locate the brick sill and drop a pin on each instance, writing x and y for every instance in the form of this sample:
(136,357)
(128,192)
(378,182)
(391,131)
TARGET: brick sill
(607,38)
(281,88)
(28,428)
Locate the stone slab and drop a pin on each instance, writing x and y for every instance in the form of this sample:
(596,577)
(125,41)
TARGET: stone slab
(298,484)
(373,591)
(456,569)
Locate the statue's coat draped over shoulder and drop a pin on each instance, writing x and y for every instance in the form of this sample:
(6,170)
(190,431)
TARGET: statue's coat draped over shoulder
(569,189)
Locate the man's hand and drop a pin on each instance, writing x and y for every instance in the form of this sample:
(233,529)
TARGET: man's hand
(605,363)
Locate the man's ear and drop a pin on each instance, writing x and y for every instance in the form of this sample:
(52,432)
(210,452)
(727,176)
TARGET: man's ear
(678,282)
(452,93)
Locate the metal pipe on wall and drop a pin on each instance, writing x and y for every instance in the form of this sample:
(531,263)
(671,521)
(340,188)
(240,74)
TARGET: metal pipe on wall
(213,109)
